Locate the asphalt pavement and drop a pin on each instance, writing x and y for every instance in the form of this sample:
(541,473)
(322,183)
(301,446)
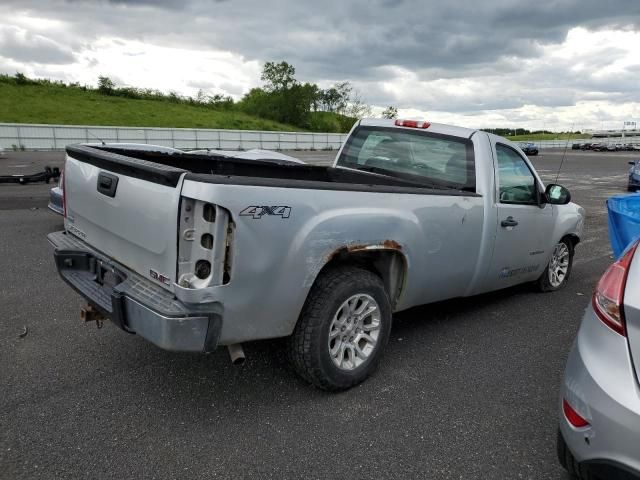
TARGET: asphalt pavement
(467,389)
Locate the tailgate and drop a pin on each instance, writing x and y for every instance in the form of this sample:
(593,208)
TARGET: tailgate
(126,208)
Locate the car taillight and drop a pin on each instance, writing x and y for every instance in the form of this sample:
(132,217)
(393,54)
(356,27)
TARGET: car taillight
(412,124)
(64,194)
(572,416)
(609,295)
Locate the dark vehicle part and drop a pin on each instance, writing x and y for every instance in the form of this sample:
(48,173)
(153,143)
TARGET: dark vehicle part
(90,314)
(48,174)
(634,176)
(107,184)
(529,148)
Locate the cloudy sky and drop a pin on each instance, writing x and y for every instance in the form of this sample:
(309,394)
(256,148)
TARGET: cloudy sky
(557,64)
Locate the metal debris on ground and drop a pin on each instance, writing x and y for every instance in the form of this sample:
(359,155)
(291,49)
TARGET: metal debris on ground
(44,176)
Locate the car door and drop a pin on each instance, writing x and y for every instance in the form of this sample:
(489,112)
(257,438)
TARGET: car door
(524,225)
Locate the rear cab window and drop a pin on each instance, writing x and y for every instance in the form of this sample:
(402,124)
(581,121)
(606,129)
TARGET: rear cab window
(431,159)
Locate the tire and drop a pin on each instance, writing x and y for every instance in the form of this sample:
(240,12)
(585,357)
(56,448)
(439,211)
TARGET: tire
(564,456)
(337,294)
(544,283)
(568,461)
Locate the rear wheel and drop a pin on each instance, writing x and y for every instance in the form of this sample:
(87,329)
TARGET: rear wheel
(343,329)
(557,272)
(568,461)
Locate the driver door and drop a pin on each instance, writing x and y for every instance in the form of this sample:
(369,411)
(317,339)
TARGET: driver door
(523,225)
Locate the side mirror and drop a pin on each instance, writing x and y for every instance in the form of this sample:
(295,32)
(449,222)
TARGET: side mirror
(557,194)
(632,163)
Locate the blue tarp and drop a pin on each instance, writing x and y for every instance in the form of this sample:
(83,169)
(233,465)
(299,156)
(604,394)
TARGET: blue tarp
(624,221)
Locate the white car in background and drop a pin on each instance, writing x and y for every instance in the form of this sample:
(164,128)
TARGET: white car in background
(255,154)
(2,154)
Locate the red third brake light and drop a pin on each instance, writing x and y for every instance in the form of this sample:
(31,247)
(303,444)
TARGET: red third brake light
(609,294)
(412,124)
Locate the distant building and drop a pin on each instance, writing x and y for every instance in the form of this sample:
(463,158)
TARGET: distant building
(613,133)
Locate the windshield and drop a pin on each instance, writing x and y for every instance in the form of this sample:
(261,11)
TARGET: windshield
(439,161)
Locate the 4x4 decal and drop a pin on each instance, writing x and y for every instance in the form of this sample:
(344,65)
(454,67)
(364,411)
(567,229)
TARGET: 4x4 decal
(259,211)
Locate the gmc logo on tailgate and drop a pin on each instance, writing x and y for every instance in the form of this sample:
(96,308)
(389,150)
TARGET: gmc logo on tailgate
(159,277)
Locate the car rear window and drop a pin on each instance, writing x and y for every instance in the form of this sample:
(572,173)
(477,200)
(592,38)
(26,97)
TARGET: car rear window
(434,159)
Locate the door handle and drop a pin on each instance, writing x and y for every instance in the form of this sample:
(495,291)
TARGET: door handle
(509,222)
(107,184)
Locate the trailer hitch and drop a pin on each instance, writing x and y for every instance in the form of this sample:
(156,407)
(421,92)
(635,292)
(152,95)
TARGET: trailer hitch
(48,174)
(90,314)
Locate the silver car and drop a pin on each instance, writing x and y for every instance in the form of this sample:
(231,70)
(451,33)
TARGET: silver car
(599,435)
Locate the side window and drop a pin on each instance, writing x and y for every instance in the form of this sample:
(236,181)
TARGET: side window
(516,183)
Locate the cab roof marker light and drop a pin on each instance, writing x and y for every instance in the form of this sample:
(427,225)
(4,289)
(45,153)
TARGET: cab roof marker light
(412,124)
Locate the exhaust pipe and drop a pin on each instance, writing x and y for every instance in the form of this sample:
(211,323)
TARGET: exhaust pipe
(236,352)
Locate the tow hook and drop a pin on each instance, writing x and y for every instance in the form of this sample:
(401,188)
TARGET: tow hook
(90,314)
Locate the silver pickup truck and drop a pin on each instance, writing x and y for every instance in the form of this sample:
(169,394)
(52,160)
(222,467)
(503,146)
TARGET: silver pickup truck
(193,251)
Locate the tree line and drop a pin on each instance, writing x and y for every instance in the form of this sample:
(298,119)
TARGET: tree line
(281,97)
(284,99)
(505,132)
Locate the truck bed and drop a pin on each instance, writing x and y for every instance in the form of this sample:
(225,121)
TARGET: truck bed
(167,168)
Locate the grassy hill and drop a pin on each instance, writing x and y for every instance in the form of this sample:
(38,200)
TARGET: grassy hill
(23,100)
(59,104)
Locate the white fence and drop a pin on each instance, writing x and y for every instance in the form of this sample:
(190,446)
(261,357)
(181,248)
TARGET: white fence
(542,144)
(22,136)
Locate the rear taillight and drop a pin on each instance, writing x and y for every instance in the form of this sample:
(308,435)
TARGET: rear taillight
(573,417)
(609,295)
(64,194)
(412,124)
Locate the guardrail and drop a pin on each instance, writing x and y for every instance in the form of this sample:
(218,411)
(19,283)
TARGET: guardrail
(24,136)
(542,144)
(21,136)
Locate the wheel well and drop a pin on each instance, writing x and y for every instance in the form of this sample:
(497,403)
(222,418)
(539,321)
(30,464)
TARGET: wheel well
(388,264)
(573,238)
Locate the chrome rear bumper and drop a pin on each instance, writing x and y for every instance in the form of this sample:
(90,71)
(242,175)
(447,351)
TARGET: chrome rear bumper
(134,303)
